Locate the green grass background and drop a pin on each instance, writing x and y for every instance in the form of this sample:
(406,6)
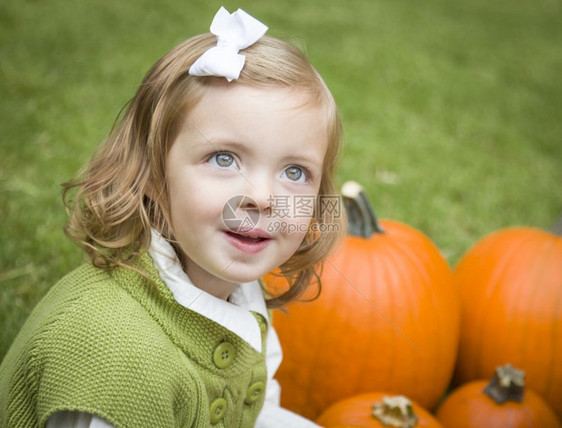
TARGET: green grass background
(473,145)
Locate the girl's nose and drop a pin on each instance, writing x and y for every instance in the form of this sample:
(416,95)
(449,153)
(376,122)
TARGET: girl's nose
(259,197)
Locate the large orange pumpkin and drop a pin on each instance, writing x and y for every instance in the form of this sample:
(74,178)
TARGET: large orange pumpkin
(503,403)
(511,288)
(387,319)
(377,410)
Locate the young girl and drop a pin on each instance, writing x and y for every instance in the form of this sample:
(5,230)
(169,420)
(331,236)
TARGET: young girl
(197,193)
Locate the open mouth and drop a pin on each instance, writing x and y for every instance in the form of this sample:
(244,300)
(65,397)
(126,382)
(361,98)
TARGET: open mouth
(245,238)
(251,242)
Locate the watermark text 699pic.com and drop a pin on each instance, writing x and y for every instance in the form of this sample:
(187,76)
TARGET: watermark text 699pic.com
(284,213)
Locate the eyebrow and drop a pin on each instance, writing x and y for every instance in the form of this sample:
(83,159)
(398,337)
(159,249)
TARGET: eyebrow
(303,158)
(226,144)
(216,143)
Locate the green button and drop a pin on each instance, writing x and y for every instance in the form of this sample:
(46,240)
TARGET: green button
(223,355)
(255,391)
(217,410)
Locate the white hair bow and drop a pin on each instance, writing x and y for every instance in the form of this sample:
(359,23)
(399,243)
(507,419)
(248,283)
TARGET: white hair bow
(234,31)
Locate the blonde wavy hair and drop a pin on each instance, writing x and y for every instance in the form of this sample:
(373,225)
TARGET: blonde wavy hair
(110,211)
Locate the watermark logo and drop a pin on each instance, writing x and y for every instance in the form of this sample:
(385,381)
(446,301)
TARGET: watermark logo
(286,213)
(326,207)
(238,219)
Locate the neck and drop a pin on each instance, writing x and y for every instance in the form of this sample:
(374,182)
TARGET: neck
(211,284)
(202,279)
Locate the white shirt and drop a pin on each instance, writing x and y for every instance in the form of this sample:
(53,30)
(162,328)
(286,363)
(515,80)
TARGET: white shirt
(233,315)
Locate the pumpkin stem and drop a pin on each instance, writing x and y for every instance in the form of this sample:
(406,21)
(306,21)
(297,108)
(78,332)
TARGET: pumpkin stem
(360,216)
(395,411)
(508,384)
(557,228)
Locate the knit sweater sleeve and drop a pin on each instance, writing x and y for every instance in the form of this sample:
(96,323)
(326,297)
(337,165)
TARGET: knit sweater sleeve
(111,364)
(90,347)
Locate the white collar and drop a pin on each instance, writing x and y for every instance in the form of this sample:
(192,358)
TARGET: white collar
(233,315)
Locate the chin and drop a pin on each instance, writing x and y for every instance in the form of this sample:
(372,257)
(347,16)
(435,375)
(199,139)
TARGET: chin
(243,278)
(247,276)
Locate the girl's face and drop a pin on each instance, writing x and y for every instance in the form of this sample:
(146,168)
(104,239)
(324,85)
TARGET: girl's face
(243,175)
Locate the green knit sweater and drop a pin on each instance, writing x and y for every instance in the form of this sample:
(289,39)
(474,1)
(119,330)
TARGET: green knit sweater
(113,344)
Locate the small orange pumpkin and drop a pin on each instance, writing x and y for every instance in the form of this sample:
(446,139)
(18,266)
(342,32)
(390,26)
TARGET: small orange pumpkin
(503,403)
(511,296)
(387,319)
(377,410)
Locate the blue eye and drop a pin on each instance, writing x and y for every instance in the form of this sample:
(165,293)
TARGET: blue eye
(296,174)
(223,160)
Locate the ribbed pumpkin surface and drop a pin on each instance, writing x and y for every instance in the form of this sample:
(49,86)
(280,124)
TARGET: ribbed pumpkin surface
(357,411)
(469,407)
(387,319)
(511,286)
